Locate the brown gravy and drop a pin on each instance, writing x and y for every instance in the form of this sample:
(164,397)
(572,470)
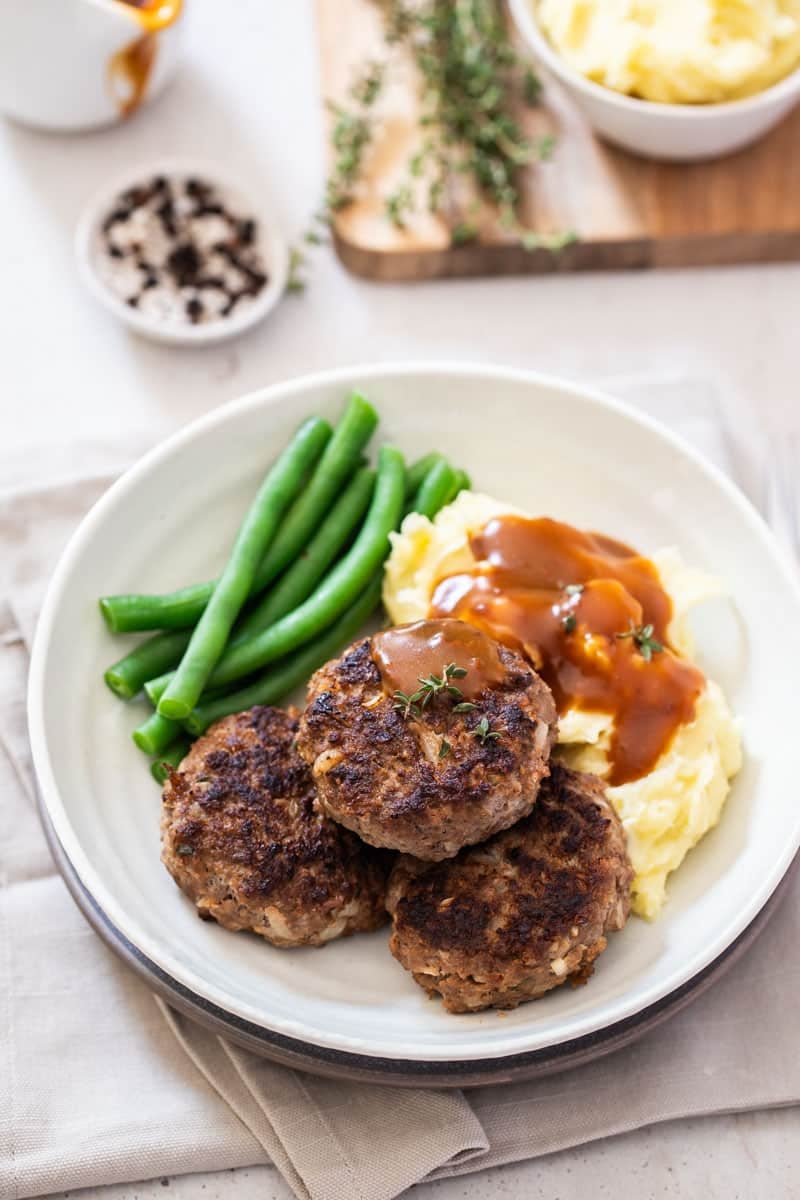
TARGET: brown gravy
(576,604)
(130,68)
(410,653)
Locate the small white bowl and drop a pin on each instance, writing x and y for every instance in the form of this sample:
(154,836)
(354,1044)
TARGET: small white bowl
(680,132)
(271,244)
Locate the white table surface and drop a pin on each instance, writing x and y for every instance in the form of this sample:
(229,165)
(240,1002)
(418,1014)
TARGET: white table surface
(73,381)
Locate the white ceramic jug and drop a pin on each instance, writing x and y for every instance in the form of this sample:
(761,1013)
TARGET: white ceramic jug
(78,64)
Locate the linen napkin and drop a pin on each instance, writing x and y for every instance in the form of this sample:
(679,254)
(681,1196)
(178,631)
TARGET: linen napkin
(100,1083)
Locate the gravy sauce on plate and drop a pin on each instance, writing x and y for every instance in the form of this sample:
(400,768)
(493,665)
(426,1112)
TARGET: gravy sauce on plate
(592,616)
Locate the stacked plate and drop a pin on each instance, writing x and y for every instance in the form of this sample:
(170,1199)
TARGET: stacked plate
(349,1009)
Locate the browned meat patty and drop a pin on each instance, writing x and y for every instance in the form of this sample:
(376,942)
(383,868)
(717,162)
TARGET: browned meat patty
(243,836)
(425,783)
(507,921)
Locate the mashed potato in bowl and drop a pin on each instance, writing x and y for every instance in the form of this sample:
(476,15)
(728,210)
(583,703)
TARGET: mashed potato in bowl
(676,51)
(668,810)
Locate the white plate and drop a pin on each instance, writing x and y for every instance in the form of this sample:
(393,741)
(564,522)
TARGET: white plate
(547,446)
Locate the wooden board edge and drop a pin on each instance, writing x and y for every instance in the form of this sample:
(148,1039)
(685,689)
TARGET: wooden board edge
(491,259)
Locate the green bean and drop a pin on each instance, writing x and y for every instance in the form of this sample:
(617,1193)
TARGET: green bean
(284,676)
(334,594)
(463,483)
(333,470)
(439,487)
(337,591)
(156,733)
(183,608)
(173,757)
(305,573)
(233,587)
(291,672)
(154,688)
(436,489)
(418,470)
(434,506)
(156,654)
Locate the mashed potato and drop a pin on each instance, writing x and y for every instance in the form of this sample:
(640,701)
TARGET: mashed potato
(677,51)
(666,812)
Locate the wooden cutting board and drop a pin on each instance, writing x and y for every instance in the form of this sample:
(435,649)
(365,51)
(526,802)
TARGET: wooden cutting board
(625,211)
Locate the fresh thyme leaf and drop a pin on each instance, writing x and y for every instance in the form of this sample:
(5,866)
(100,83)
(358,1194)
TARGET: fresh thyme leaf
(546,241)
(531,87)
(569,622)
(431,685)
(351,134)
(407,705)
(484,731)
(469,72)
(366,89)
(469,75)
(463,233)
(399,205)
(546,146)
(445,748)
(416,164)
(642,636)
(297,264)
(464,706)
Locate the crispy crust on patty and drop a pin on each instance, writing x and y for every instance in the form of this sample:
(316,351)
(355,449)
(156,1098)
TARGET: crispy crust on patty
(508,921)
(244,838)
(383,775)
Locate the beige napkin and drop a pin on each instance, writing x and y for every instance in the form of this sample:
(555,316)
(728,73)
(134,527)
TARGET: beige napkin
(100,1083)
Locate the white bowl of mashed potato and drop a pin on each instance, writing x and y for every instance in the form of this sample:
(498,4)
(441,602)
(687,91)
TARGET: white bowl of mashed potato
(671,79)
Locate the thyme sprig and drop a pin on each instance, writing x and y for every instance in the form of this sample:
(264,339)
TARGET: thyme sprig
(430,686)
(414,705)
(352,131)
(351,134)
(469,74)
(434,684)
(484,732)
(642,636)
(296,280)
(469,78)
(407,705)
